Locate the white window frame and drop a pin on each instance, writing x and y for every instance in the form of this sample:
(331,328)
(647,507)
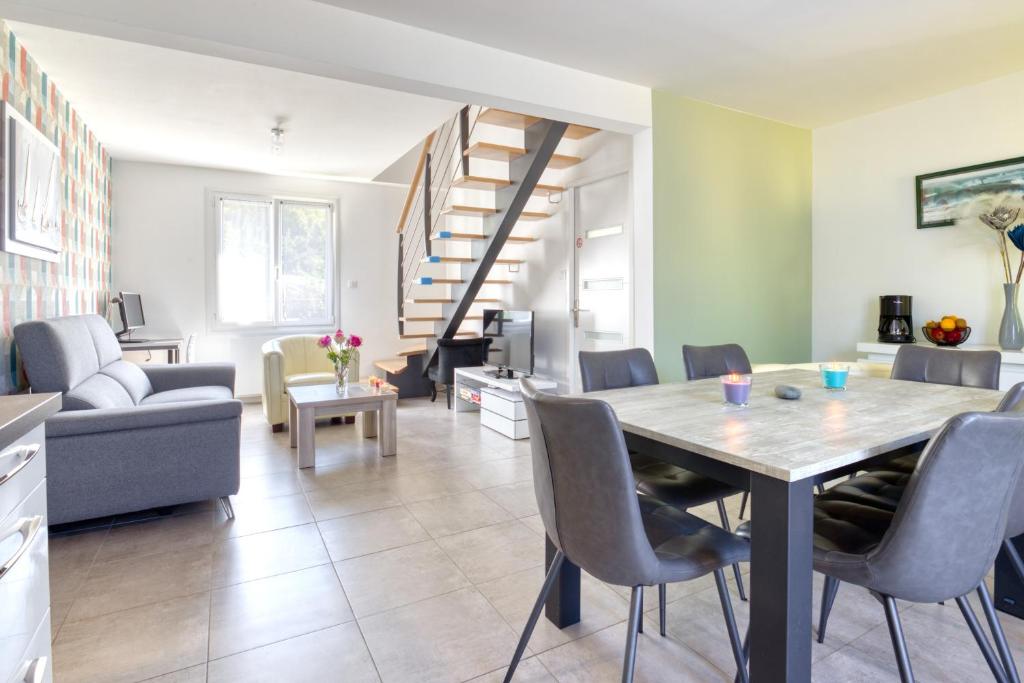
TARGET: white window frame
(213,245)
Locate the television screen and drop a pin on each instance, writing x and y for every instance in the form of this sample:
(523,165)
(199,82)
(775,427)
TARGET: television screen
(512,332)
(131,311)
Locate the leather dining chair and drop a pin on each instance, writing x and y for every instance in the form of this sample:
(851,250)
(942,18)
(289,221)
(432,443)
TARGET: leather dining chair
(600,370)
(942,538)
(451,355)
(594,517)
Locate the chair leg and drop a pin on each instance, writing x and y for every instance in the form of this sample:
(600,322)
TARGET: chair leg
(743,503)
(524,639)
(1005,655)
(981,639)
(225,502)
(730,626)
(433,392)
(828,598)
(899,643)
(746,654)
(736,567)
(448,395)
(1015,559)
(636,618)
(662,601)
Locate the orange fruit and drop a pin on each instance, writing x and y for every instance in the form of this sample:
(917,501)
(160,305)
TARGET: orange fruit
(931,324)
(948,324)
(961,324)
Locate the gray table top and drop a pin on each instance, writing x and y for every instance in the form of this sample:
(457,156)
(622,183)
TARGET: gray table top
(793,440)
(327,394)
(21,412)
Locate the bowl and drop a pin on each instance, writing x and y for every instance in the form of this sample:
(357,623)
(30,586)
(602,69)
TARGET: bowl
(952,338)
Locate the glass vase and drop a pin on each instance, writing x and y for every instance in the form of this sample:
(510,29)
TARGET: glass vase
(341,374)
(1011,331)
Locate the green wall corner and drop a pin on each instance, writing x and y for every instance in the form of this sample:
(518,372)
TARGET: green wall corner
(732,233)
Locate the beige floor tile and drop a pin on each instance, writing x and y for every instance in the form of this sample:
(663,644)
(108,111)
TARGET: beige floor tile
(356,472)
(135,581)
(513,596)
(134,644)
(494,551)
(252,465)
(393,578)
(535,523)
(259,515)
(598,659)
(453,637)
(497,473)
(283,483)
(193,674)
(370,532)
(427,485)
(333,654)
(352,499)
(519,499)
(156,536)
(454,514)
(850,665)
(71,557)
(255,613)
(528,671)
(58,613)
(266,554)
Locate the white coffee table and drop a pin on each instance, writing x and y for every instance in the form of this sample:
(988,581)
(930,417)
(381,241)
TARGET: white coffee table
(305,404)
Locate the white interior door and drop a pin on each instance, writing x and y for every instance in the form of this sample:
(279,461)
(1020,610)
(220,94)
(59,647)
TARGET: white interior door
(602,310)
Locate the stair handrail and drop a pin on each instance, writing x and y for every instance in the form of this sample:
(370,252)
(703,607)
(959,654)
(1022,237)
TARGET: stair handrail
(417,174)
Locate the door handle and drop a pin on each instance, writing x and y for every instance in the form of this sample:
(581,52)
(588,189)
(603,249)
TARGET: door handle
(576,310)
(23,454)
(28,527)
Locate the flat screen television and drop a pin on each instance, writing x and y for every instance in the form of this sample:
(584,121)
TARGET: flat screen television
(512,332)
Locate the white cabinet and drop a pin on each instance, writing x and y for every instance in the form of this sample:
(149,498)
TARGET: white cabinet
(1011,372)
(500,403)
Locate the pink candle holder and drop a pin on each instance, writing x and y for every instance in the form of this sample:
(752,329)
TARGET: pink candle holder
(736,388)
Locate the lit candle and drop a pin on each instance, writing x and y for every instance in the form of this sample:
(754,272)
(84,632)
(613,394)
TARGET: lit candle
(833,376)
(736,388)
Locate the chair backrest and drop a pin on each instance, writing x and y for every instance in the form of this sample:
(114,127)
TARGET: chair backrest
(701,362)
(948,366)
(301,354)
(601,370)
(1013,402)
(460,353)
(585,487)
(952,518)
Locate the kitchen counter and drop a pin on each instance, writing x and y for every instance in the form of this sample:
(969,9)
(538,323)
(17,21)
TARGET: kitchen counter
(21,412)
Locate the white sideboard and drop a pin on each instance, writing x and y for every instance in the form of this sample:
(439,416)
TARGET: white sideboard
(497,398)
(1012,370)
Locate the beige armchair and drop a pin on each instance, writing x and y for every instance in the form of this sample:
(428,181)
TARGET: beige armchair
(291,362)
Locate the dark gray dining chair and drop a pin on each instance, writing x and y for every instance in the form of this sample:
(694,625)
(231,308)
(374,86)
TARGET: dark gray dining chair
(943,537)
(601,370)
(451,355)
(595,519)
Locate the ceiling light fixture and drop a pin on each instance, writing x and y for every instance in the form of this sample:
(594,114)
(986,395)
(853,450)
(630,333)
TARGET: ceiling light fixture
(276,140)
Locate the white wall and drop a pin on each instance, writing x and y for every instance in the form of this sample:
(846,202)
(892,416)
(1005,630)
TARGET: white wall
(865,241)
(159,243)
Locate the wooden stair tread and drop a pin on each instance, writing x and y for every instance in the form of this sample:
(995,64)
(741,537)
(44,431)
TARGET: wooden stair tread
(459,236)
(544,190)
(563,161)
(507,119)
(521,238)
(533,215)
(414,351)
(577,132)
(509,261)
(393,366)
(446,259)
(434,318)
(460,210)
(476,182)
(431,335)
(494,152)
(451,301)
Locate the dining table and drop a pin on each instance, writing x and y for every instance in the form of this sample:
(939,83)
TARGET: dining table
(778,450)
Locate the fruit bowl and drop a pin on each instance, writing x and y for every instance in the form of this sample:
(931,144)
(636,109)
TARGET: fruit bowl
(940,337)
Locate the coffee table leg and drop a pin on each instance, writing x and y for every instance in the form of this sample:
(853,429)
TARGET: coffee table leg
(780,579)
(293,425)
(307,446)
(387,439)
(368,419)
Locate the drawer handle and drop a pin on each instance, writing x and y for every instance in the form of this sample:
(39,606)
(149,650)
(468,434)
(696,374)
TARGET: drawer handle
(28,527)
(24,454)
(34,671)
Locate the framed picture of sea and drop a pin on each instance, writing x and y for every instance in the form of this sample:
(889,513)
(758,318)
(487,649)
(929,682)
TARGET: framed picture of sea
(31,189)
(946,197)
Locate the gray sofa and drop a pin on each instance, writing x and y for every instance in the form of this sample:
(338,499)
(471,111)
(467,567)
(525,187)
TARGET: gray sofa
(129,437)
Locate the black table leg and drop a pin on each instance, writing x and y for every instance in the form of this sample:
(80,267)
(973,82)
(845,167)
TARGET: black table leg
(780,583)
(563,605)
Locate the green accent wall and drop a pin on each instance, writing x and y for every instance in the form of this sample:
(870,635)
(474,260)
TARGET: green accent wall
(732,233)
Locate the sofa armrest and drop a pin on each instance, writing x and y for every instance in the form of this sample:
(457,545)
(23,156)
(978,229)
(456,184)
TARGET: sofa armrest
(174,376)
(79,422)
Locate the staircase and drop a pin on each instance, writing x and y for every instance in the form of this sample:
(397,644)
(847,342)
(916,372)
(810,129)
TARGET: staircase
(465,218)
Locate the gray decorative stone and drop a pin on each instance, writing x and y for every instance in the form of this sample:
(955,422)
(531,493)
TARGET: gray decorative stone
(790,393)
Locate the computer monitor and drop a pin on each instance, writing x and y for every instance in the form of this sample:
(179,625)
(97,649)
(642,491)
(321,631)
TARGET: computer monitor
(132,317)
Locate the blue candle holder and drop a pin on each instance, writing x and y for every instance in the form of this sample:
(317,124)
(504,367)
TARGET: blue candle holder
(833,376)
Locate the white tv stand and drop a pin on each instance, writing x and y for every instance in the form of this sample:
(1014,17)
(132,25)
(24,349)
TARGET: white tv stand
(501,404)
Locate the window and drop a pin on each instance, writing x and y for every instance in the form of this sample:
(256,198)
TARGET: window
(274,262)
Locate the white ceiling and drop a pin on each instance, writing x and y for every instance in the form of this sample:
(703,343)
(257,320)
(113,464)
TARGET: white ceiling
(806,62)
(149,103)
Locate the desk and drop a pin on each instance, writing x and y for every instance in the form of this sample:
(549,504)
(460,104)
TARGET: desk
(778,450)
(171,346)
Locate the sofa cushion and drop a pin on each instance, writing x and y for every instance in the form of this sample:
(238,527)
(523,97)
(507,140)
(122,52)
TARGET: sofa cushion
(98,391)
(108,349)
(210,393)
(58,354)
(303,379)
(131,377)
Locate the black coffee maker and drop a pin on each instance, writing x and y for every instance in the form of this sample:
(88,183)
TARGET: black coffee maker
(895,324)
